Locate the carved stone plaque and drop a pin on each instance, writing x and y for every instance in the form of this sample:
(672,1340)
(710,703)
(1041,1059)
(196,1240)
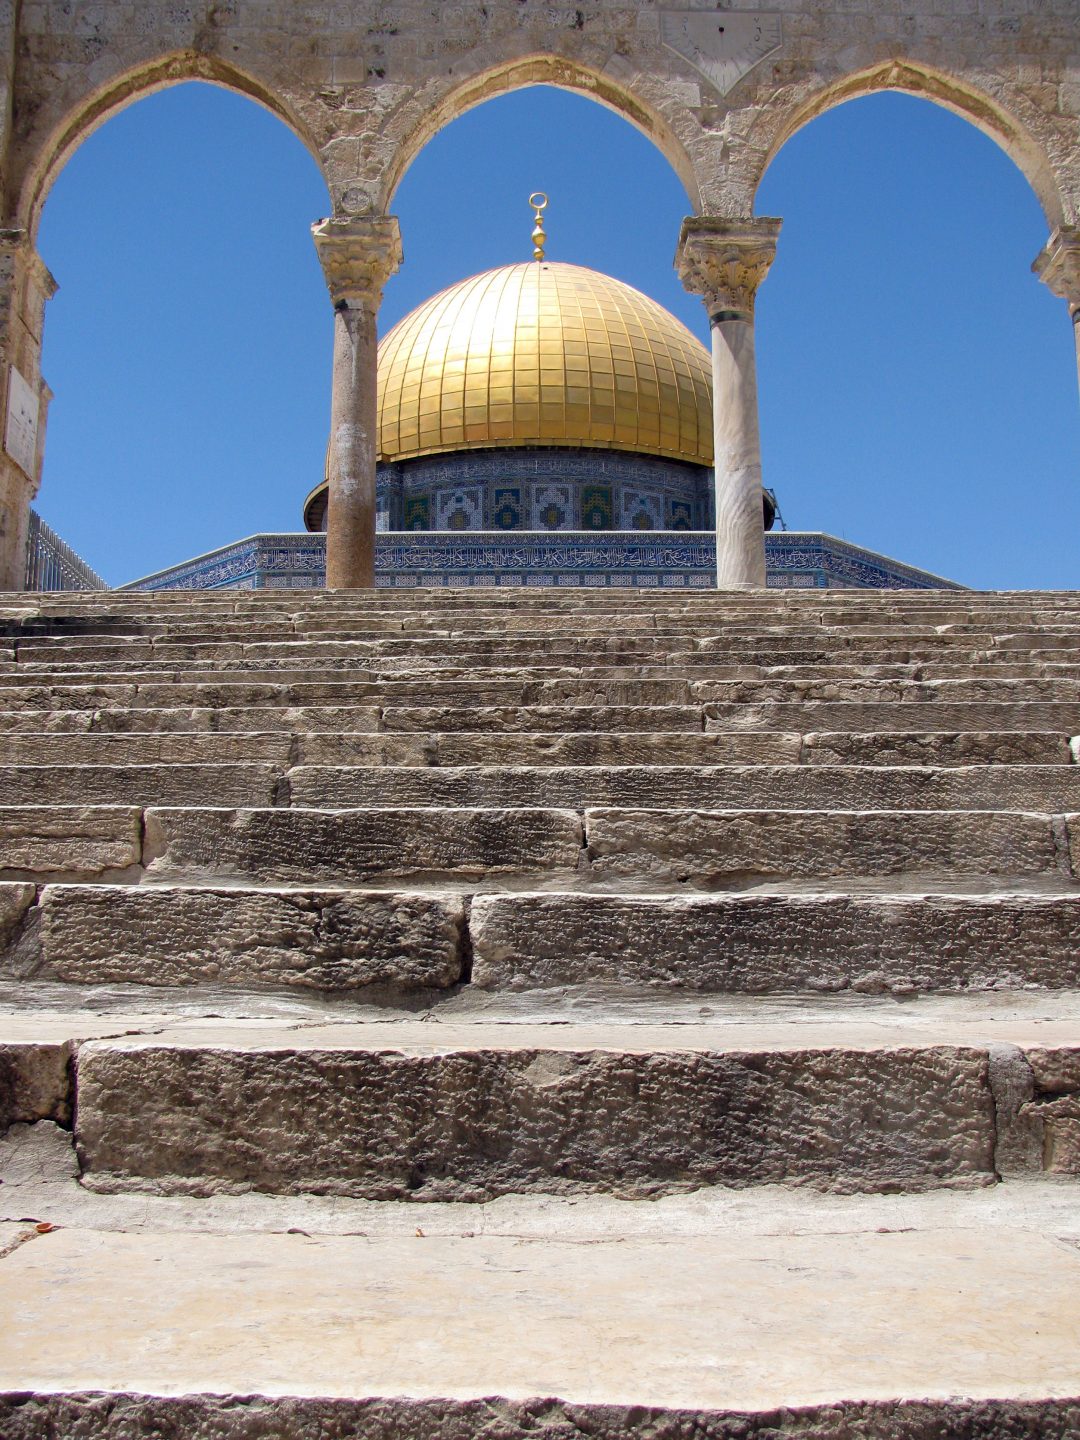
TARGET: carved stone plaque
(21,433)
(723,45)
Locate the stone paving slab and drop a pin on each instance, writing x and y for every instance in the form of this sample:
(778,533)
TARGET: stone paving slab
(843,1321)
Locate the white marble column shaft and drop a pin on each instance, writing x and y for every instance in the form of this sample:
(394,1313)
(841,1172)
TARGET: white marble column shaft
(358,257)
(724,261)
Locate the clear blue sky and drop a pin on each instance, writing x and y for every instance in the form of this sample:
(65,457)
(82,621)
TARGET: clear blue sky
(918,384)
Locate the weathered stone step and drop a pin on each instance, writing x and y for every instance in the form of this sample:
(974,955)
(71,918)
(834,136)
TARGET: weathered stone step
(261,644)
(514,1308)
(282,748)
(807,718)
(780,944)
(16,678)
(344,941)
(875,1097)
(703,847)
(328,941)
(580,691)
(710,848)
(698,847)
(359,691)
(232,783)
(680,748)
(166,747)
(244,719)
(887,715)
(1045,788)
(348,846)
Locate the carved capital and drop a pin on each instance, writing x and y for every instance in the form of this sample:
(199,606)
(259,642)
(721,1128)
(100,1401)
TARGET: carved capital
(358,256)
(724,261)
(1058,266)
(17,249)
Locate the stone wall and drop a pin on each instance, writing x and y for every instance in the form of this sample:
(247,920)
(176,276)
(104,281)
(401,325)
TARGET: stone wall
(367,84)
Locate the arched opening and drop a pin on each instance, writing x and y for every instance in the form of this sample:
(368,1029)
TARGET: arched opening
(551,72)
(917,382)
(998,122)
(511,406)
(616,203)
(93,111)
(188,346)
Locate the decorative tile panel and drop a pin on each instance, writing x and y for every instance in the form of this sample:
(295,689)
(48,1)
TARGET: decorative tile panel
(616,559)
(459,509)
(551,507)
(597,508)
(641,510)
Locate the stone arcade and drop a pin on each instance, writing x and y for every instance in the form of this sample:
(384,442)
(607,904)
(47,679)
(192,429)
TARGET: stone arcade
(366,86)
(706,963)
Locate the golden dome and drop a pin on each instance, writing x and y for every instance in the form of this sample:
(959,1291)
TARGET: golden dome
(544,354)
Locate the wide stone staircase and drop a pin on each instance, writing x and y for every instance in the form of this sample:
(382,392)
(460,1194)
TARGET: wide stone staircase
(471,1015)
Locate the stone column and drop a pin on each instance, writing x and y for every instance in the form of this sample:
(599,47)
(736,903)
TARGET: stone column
(724,261)
(358,256)
(1059,267)
(25,286)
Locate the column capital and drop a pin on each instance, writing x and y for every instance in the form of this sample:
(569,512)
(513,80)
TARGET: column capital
(1058,265)
(358,256)
(16,245)
(724,261)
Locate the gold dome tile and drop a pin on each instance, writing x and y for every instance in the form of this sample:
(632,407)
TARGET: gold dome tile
(544,354)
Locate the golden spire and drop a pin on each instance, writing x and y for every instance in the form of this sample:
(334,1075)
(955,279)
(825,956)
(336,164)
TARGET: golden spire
(538,200)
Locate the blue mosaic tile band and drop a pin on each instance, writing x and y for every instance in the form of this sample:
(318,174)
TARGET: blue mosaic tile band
(612,558)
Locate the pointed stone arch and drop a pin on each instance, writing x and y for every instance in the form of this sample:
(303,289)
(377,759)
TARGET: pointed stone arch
(432,112)
(1000,110)
(95,107)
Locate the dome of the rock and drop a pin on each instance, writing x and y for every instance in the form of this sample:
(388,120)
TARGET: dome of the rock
(541,396)
(544,354)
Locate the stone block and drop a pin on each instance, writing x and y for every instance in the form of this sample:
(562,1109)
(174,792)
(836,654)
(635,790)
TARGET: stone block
(15,901)
(35,1082)
(318,940)
(441,1117)
(607,748)
(778,944)
(149,748)
(877,715)
(935,748)
(708,847)
(238,783)
(348,846)
(39,840)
